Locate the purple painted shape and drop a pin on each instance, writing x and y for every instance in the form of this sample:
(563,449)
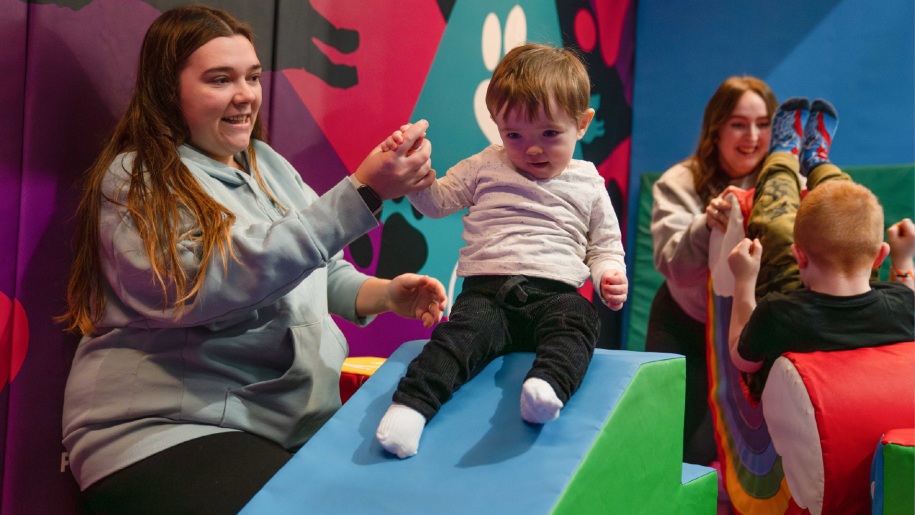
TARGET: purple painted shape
(79,76)
(747,420)
(79,81)
(295,134)
(744,423)
(13,18)
(374,237)
(383,336)
(625,61)
(12,92)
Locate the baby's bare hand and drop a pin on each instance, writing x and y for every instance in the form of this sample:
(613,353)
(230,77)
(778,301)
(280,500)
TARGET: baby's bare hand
(614,289)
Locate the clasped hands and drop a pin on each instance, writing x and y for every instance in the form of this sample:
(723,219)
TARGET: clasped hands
(402,170)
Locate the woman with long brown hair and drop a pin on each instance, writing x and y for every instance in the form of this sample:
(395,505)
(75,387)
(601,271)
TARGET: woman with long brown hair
(688,205)
(204,278)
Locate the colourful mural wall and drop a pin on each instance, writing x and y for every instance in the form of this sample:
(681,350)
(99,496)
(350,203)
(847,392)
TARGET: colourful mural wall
(341,75)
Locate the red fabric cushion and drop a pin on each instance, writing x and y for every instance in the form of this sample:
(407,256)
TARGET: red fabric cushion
(857,395)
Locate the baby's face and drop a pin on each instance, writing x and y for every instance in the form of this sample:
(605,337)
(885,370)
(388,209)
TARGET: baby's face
(542,146)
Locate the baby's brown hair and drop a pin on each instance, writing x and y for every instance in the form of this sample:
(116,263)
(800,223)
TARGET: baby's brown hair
(535,75)
(839,225)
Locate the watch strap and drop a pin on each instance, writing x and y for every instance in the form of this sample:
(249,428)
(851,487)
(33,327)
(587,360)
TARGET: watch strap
(368,195)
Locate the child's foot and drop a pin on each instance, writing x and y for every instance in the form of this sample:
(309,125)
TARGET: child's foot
(400,430)
(818,133)
(788,125)
(539,403)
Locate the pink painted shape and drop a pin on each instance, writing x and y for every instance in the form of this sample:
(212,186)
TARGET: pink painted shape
(610,18)
(356,119)
(14,339)
(585,30)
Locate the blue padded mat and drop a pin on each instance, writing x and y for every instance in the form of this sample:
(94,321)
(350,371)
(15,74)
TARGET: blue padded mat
(476,456)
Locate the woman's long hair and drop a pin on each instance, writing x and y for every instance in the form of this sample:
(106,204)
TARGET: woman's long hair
(161,186)
(708,176)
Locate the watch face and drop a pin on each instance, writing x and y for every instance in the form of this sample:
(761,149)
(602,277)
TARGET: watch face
(371,199)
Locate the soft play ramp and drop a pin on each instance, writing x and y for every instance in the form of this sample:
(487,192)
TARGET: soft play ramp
(615,449)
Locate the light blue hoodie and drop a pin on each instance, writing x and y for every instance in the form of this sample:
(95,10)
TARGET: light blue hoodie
(255,350)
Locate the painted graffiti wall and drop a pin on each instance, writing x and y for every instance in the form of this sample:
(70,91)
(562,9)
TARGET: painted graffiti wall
(340,76)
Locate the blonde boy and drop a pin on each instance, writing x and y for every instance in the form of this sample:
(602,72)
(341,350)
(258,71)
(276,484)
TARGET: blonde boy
(837,243)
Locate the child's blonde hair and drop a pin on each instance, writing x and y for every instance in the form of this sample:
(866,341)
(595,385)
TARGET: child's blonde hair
(534,75)
(839,225)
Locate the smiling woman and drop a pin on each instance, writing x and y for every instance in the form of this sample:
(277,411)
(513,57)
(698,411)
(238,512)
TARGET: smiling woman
(205,275)
(220,92)
(689,204)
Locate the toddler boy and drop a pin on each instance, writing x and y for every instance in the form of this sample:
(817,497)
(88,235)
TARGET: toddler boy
(539,223)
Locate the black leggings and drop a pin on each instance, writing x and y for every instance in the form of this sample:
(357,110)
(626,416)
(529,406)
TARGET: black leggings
(495,315)
(670,329)
(213,474)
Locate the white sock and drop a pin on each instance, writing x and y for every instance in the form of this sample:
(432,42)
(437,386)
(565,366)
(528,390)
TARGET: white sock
(400,430)
(539,403)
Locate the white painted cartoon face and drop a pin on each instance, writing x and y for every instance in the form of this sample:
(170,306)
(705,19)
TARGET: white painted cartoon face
(515,34)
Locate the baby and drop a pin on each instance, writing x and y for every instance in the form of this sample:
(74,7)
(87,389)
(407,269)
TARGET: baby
(539,224)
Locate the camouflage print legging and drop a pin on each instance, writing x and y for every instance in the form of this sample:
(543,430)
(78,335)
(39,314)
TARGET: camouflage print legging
(775,203)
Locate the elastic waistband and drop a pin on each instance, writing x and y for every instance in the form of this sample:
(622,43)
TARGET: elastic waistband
(495,282)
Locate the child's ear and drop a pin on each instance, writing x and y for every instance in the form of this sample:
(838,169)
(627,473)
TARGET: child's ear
(881,255)
(799,255)
(584,122)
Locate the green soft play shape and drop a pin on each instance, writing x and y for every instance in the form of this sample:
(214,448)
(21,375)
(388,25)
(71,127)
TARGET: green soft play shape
(645,279)
(644,433)
(894,185)
(898,479)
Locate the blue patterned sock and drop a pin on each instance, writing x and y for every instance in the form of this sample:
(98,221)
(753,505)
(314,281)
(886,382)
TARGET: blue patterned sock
(788,125)
(818,133)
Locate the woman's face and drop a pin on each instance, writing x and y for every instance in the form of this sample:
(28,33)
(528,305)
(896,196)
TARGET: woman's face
(220,94)
(743,138)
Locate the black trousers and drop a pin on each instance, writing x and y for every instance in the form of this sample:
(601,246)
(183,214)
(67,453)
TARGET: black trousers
(216,474)
(495,315)
(671,330)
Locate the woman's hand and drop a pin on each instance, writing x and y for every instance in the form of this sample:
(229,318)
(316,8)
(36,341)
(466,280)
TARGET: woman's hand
(417,296)
(408,295)
(718,211)
(407,168)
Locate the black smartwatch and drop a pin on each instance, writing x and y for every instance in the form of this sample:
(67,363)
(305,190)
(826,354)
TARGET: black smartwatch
(371,199)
